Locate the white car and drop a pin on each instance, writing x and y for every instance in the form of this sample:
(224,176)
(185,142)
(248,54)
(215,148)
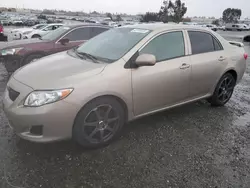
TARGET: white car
(223,28)
(237,27)
(18,33)
(41,32)
(212,27)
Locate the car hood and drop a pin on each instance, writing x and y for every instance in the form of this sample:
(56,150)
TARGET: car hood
(22,29)
(16,43)
(57,71)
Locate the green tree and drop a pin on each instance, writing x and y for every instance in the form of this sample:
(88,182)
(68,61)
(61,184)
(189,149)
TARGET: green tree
(42,17)
(165,11)
(231,15)
(150,17)
(118,18)
(179,10)
(109,15)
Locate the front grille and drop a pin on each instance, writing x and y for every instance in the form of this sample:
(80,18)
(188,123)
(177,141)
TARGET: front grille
(13,94)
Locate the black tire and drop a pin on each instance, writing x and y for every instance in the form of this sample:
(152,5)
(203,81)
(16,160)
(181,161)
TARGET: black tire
(35,36)
(83,128)
(223,90)
(31,58)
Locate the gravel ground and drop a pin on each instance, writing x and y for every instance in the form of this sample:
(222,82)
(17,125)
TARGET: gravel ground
(193,146)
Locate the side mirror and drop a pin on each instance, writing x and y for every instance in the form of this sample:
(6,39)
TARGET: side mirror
(64,41)
(145,60)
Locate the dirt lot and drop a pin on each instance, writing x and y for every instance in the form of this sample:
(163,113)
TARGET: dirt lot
(191,146)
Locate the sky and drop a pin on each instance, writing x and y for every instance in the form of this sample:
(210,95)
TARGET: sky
(195,7)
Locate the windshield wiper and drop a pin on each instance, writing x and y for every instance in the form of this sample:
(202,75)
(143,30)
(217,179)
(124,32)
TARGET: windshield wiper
(93,58)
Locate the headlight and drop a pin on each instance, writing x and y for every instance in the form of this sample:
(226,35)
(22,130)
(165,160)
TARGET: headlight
(26,32)
(10,51)
(39,98)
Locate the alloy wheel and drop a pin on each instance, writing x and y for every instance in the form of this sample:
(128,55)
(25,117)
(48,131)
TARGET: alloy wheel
(100,124)
(226,89)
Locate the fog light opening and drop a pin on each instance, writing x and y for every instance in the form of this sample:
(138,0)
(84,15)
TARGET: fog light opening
(36,130)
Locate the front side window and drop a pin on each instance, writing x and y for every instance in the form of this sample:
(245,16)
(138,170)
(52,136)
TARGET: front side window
(97,30)
(79,34)
(202,42)
(53,35)
(166,46)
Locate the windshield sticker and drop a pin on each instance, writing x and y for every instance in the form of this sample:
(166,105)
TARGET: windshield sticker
(66,28)
(139,31)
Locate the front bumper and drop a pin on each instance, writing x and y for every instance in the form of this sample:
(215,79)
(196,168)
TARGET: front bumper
(3,37)
(56,119)
(12,62)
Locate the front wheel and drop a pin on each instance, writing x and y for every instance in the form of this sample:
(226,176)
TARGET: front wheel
(99,122)
(31,58)
(223,90)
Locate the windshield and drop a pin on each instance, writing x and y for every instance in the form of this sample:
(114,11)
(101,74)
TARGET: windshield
(113,44)
(39,26)
(53,35)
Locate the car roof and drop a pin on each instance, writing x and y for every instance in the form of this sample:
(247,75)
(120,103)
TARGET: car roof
(85,24)
(162,26)
(55,24)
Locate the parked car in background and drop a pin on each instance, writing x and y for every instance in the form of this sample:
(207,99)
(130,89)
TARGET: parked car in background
(2,36)
(89,93)
(246,27)
(212,27)
(20,32)
(223,28)
(43,31)
(22,52)
(237,27)
(1,32)
(4,22)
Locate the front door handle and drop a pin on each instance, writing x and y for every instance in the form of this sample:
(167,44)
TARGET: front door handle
(221,58)
(184,66)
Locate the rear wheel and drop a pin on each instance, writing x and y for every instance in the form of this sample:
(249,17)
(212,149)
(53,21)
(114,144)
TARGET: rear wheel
(223,90)
(35,36)
(99,122)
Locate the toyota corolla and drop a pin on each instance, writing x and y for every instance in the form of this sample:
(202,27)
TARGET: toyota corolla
(90,92)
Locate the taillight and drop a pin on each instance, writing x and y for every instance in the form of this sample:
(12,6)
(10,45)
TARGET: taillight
(245,56)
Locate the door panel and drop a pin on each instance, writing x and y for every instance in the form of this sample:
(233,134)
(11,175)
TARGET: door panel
(206,70)
(59,47)
(208,62)
(162,85)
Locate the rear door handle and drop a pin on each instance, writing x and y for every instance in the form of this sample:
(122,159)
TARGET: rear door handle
(222,58)
(184,66)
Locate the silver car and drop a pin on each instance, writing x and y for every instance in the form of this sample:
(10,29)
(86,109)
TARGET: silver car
(90,92)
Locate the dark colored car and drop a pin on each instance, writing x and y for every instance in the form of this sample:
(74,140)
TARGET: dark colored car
(2,36)
(19,53)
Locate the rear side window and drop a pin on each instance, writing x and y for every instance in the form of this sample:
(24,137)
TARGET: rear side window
(217,45)
(97,31)
(79,34)
(166,46)
(202,42)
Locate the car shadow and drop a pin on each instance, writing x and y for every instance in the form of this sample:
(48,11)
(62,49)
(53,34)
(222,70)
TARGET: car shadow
(179,119)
